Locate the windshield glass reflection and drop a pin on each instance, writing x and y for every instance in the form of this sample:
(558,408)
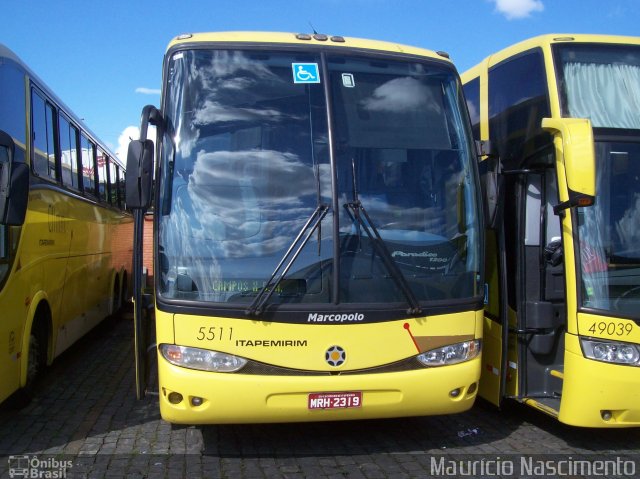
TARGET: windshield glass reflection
(610,232)
(246,163)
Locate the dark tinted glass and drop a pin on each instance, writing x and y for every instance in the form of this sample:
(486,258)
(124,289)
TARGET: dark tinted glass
(517,104)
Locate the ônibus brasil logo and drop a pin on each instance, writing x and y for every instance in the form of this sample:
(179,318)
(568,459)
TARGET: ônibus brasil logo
(35,467)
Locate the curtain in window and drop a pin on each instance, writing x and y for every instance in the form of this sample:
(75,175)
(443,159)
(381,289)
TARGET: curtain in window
(607,94)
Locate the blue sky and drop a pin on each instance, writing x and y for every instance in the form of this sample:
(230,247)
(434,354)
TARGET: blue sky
(104,57)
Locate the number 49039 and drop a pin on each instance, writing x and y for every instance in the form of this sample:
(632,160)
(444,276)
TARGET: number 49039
(611,328)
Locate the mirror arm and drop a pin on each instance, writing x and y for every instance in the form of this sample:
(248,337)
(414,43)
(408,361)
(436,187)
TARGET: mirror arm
(150,115)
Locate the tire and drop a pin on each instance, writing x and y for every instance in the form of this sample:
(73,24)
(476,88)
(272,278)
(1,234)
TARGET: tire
(116,303)
(36,364)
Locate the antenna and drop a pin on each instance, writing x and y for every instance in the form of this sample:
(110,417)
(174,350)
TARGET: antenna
(312,28)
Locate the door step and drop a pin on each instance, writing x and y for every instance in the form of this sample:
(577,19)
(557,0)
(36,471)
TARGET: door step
(550,406)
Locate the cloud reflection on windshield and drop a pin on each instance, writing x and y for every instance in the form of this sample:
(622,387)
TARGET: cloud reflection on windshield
(402,94)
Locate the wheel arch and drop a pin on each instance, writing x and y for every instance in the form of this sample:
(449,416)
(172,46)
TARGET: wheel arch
(39,315)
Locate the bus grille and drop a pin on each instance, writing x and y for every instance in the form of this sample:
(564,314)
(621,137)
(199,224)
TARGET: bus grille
(262,369)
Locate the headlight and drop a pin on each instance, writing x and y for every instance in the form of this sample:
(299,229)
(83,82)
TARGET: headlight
(611,351)
(452,354)
(202,359)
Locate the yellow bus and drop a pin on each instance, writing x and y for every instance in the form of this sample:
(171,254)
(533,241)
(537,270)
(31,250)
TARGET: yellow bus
(318,242)
(65,239)
(561,114)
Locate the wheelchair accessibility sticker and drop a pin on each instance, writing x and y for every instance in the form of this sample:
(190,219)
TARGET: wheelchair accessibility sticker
(305,73)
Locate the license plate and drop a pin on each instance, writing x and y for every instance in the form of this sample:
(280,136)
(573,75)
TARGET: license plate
(337,400)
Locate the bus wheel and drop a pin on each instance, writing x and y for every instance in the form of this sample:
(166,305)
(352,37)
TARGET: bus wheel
(117,298)
(36,363)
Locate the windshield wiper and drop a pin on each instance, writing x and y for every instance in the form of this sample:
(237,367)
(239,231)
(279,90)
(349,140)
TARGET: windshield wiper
(257,306)
(378,243)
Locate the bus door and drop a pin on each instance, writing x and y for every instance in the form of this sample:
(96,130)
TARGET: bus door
(539,290)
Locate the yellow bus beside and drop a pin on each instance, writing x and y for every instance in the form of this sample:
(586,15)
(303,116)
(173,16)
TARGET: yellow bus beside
(318,242)
(65,239)
(561,114)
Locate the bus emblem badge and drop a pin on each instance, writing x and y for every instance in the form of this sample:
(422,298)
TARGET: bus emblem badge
(335,356)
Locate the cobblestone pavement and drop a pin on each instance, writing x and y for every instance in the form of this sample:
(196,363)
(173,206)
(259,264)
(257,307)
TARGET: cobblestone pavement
(86,422)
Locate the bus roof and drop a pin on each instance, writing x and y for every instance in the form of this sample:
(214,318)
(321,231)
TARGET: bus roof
(315,40)
(544,40)
(7,54)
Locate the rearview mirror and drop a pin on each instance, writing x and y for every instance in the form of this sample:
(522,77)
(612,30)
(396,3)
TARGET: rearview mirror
(14,184)
(139,174)
(577,154)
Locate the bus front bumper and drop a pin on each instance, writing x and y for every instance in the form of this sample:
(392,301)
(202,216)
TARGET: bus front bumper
(196,397)
(598,394)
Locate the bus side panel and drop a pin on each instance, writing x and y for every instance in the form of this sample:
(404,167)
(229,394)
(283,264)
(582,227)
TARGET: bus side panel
(76,288)
(99,254)
(492,332)
(491,362)
(45,249)
(591,387)
(11,329)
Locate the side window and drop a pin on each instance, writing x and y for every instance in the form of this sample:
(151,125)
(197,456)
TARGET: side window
(103,180)
(517,103)
(3,246)
(88,167)
(113,183)
(541,224)
(44,159)
(121,187)
(472,95)
(68,153)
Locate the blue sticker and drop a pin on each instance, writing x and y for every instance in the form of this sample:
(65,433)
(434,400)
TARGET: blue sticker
(305,73)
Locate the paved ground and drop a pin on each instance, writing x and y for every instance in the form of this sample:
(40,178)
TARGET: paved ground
(86,422)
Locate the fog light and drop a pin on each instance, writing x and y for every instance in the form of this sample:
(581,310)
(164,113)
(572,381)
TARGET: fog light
(196,401)
(472,388)
(606,415)
(175,398)
(455,393)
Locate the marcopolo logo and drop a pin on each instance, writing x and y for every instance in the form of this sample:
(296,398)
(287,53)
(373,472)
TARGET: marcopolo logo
(335,318)
(35,467)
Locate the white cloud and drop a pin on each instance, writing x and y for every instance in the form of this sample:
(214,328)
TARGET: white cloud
(128,134)
(148,91)
(516,9)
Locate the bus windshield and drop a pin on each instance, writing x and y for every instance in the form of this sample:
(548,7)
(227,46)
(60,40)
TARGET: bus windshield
(609,231)
(257,142)
(602,83)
